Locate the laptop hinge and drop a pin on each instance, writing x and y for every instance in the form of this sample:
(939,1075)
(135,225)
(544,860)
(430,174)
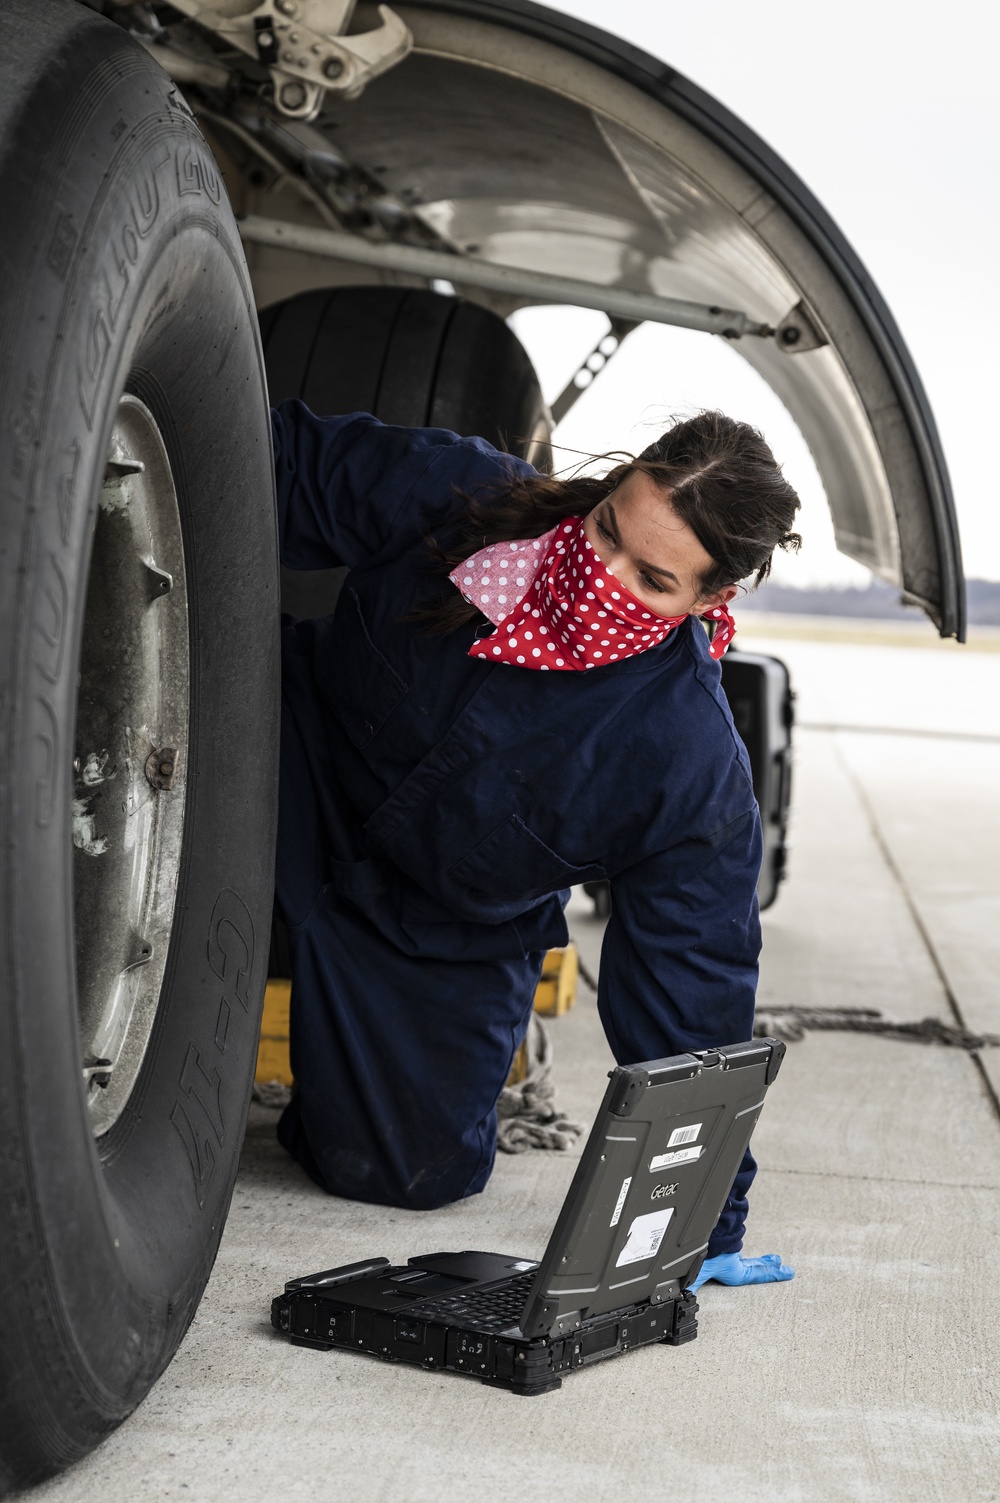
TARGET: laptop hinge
(539,1320)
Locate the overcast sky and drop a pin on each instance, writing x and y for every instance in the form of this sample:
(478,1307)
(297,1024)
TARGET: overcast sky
(890,112)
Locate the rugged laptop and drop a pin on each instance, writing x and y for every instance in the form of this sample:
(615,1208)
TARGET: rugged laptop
(630,1237)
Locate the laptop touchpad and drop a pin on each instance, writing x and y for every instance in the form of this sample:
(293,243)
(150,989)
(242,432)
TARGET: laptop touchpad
(420,1282)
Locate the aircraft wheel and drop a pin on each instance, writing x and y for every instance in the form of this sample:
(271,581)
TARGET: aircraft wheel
(408,356)
(138,701)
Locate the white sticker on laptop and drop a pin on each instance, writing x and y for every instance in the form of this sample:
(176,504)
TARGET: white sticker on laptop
(620,1202)
(644,1237)
(679,1156)
(684,1135)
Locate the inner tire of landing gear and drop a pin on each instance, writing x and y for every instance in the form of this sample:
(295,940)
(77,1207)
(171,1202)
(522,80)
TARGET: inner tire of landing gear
(408,356)
(138,701)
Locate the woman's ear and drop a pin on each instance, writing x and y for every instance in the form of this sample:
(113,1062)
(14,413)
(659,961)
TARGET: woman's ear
(721,597)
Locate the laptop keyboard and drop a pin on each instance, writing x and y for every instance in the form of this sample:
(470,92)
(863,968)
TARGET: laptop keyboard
(493,1309)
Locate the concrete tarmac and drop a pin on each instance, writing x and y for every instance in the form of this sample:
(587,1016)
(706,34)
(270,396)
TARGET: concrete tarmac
(871,1378)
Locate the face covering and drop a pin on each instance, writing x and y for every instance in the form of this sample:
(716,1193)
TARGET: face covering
(556,606)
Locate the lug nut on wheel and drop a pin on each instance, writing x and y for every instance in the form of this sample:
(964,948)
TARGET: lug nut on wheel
(161,767)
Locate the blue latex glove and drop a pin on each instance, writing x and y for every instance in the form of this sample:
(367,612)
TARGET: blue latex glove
(733,1268)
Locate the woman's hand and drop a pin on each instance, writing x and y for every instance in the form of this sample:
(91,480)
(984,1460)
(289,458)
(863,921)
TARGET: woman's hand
(733,1269)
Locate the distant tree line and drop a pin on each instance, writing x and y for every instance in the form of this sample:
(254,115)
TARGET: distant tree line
(875,601)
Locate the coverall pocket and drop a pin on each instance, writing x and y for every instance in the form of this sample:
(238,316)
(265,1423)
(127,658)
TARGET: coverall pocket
(362,685)
(512,864)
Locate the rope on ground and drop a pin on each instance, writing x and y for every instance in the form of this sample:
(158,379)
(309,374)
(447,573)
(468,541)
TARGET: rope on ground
(792,1023)
(527,1116)
(272,1093)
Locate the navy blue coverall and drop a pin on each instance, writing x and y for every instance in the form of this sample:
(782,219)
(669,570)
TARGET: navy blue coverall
(434,809)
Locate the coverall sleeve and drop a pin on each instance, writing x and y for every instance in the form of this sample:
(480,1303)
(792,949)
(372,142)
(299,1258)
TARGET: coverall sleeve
(679,965)
(345,484)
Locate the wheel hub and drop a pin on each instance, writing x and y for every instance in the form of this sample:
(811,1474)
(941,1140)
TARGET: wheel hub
(131,760)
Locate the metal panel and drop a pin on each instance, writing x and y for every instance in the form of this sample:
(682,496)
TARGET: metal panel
(530,142)
(510,168)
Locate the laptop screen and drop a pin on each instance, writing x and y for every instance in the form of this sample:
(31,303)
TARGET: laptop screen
(651,1183)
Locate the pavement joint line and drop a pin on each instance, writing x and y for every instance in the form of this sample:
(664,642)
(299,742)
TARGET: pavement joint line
(895,730)
(881,1179)
(917,917)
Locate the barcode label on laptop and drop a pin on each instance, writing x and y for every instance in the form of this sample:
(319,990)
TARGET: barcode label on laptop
(679,1156)
(620,1202)
(644,1237)
(684,1135)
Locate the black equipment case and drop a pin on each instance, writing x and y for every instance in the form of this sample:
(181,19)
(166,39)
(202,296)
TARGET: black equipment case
(761,701)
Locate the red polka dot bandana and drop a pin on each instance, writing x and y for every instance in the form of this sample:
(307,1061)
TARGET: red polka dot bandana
(495,580)
(574,614)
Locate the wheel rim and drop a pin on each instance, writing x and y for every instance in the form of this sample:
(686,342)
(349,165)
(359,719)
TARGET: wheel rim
(131,760)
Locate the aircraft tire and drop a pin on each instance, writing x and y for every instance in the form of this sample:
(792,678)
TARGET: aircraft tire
(408,356)
(139,709)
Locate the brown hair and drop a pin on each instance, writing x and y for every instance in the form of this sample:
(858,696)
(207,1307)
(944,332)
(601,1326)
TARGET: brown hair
(721,478)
